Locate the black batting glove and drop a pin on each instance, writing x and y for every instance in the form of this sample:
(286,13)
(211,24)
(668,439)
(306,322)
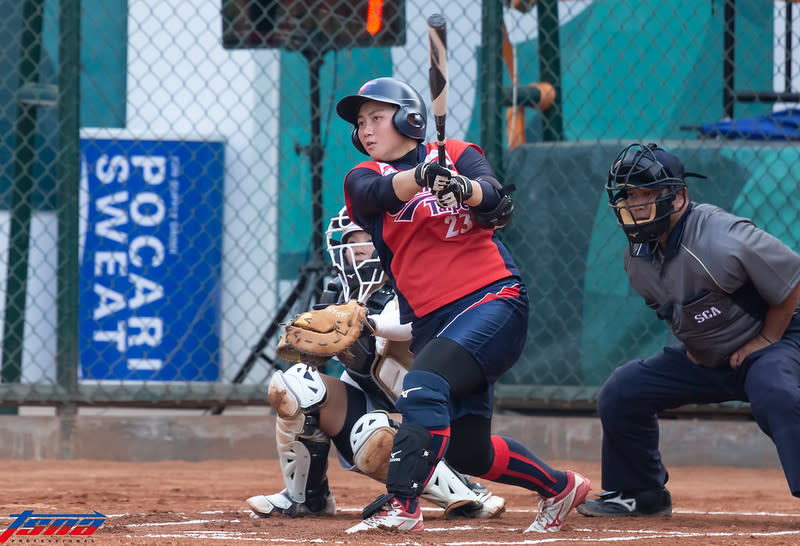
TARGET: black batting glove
(432,175)
(456,192)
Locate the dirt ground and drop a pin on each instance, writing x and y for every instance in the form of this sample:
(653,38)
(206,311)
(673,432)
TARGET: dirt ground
(189,503)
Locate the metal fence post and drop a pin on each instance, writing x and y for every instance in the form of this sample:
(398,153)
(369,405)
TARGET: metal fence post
(491,86)
(68,196)
(22,187)
(550,68)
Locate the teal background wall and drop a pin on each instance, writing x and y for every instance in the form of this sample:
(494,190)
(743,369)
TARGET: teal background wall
(629,70)
(585,318)
(103,84)
(104,58)
(342,73)
(648,68)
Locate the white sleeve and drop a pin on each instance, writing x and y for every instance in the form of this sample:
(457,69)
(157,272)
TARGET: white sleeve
(387,323)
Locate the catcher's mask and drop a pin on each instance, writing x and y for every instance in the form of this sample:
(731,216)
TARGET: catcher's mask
(360,276)
(650,167)
(410,119)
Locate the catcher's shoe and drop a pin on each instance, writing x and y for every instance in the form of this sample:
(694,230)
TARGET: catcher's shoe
(552,511)
(491,506)
(263,506)
(392,515)
(644,502)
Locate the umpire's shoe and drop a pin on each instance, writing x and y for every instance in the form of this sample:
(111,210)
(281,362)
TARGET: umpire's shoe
(641,502)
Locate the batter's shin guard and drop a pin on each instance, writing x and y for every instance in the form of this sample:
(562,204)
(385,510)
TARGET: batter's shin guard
(415,453)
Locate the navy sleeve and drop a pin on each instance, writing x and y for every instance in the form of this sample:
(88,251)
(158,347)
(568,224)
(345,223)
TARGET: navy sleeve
(370,194)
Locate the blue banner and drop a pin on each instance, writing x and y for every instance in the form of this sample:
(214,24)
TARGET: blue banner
(151,259)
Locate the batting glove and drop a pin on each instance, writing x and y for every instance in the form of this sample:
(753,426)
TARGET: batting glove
(432,175)
(458,190)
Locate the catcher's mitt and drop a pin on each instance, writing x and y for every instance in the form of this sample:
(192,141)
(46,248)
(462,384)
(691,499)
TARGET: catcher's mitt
(315,336)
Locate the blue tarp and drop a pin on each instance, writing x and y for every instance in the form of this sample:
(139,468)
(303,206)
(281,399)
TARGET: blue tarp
(782,125)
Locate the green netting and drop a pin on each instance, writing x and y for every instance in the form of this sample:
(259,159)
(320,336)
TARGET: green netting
(167,169)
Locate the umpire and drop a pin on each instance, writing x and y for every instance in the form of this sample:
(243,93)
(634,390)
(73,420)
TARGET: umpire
(729,292)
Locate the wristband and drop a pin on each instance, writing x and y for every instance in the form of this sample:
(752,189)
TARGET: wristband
(418,175)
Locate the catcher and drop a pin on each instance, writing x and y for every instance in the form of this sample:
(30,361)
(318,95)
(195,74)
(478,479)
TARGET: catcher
(312,409)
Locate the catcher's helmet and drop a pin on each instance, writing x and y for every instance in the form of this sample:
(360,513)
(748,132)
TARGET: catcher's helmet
(651,167)
(359,280)
(411,118)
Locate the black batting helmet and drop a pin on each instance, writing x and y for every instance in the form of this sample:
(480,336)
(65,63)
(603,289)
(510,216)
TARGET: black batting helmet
(411,118)
(651,167)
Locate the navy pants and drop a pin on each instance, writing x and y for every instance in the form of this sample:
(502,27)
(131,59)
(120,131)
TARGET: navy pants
(630,399)
(491,324)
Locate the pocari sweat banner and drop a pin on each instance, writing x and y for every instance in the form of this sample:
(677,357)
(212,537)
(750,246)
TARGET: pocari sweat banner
(151,259)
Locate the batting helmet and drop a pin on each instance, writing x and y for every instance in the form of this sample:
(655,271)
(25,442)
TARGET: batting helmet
(411,118)
(651,167)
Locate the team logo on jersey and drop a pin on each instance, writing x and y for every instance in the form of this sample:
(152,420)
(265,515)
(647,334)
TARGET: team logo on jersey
(386,168)
(427,200)
(433,155)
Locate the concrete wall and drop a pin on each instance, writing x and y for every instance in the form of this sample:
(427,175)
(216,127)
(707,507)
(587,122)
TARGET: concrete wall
(229,437)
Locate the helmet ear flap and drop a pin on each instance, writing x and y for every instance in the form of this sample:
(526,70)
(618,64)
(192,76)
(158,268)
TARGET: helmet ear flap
(408,122)
(356,141)
(404,121)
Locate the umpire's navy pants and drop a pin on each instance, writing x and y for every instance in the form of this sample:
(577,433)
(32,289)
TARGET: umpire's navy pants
(630,399)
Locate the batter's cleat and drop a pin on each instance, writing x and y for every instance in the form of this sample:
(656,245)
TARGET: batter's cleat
(643,502)
(392,516)
(263,506)
(552,511)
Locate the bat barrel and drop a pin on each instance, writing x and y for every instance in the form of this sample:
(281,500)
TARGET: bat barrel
(437,41)
(437,20)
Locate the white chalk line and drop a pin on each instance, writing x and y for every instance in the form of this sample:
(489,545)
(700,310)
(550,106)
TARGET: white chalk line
(619,535)
(638,535)
(223,535)
(518,511)
(647,536)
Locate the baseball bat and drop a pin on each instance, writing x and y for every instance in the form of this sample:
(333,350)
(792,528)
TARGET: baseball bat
(437,42)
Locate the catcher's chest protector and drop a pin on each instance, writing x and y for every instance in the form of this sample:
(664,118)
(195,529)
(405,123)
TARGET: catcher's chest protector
(391,366)
(377,361)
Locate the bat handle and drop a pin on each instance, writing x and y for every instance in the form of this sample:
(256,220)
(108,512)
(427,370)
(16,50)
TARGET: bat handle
(442,159)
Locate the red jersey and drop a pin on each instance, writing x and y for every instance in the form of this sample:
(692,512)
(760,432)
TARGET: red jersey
(435,256)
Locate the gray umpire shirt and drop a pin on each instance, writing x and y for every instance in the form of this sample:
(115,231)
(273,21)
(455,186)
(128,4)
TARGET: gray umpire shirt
(715,281)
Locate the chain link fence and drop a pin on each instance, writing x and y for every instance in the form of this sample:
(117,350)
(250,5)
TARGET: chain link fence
(169,168)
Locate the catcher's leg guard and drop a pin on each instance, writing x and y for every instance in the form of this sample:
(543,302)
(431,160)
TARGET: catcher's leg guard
(371,439)
(298,388)
(296,396)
